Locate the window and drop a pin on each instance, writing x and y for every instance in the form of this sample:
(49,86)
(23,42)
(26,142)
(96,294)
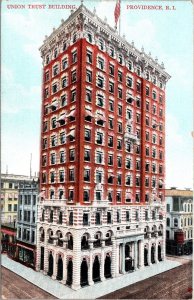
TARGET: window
(97,219)
(147,91)
(71,154)
(128,163)
(147,151)
(137,181)
(129,81)
(118,217)
(120,76)
(100,63)
(64,63)
(119,144)
(55,70)
(109,217)
(86,175)
(147,121)
(146,182)
(61,176)
(15,207)
(99,157)
(89,57)
(110,141)
(175,222)
(127,216)
(160,99)
(111,105)
(110,123)
(147,167)
(119,161)
(120,93)
(110,196)
(111,70)
(100,81)
(100,100)
(112,52)
(88,76)
(74,56)
(138,86)
(53,123)
(98,195)
(120,59)
(120,110)
(147,106)
(47,76)
(73,76)
(9,207)
(111,87)
(73,95)
(54,88)
(88,95)
(62,156)
(86,155)
(119,179)
(71,195)
(128,180)
(85,219)
(87,135)
(62,138)
(89,37)
(53,158)
(101,44)
(168,222)
(110,159)
(86,196)
(71,218)
(63,100)
(99,138)
(46,93)
(71,175)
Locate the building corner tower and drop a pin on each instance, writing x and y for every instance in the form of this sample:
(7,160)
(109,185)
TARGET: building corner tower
(102,160)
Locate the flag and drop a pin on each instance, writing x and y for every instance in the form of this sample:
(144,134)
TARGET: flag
(117,11)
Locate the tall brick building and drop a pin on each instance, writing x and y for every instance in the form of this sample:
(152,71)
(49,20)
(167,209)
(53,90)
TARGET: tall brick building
(102,162)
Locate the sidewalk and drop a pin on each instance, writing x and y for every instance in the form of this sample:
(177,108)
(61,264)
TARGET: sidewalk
(89,292)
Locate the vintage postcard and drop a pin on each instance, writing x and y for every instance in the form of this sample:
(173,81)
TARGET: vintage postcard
(96,172)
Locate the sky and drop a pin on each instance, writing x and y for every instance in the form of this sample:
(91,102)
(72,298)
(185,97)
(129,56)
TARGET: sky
(167,34)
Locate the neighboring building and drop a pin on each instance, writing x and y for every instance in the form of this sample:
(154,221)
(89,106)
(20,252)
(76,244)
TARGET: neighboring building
(26,224)
(9,196)
(102,154)
(179,221)
(8,239)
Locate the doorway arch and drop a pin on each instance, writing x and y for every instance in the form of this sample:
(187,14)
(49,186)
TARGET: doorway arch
(60,269)
(153,255)
(145,257)
(96,270)
(107,267)
(50,268)
(84,273)
(69,272)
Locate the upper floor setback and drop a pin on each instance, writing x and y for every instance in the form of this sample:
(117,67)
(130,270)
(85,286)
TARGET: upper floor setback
(83,24)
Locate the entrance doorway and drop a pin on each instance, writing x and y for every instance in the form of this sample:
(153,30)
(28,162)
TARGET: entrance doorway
(84,273)
(96,270)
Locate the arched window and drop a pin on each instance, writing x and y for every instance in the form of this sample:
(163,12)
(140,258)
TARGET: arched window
(51,217)
(175,222)
(71,218)
(168,222)
(185,222)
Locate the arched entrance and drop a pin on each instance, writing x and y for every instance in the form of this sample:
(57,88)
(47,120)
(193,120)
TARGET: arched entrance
(69,272)
(60,269)
(50,268)
(153,255)
(107,267)
(84,273)
(96,270)
(41,258)
(159,253)
(145,257)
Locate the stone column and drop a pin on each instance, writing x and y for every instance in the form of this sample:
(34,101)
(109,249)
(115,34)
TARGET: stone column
(114,258)
(123,259)
(55,265)
(117,260)
(64,270)
(102,262)
(45,253)
(163,251)
(135,255)
(149,252)
(90,279)
(141,254)
(76,260)
(38,254)
(156,253)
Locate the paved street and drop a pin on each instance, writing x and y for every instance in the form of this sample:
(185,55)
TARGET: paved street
(173,284)
(15,287)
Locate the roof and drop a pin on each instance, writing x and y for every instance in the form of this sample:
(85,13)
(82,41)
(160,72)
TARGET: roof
(178,192)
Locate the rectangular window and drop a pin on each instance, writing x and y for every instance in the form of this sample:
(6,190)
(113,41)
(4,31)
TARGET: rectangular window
(147,91)
(73,95)
(73,76)
(110,141)
(87,155)
(71,154)
(100,81)
(110,159)
(86,175)
(87,135)
(111,87)
(62,157)
(74,57)
(111,105)
(88,95)
(89,57)
(71,175)
(100,100)
(120,76)
(111,70)
(100,63)
(88,76)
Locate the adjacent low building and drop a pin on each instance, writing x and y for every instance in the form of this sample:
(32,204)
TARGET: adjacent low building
(26,224)
(179,221)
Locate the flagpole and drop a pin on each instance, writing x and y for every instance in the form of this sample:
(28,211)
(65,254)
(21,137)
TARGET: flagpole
(120,20)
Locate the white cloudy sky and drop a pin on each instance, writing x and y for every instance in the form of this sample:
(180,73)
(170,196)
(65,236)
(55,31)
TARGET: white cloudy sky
(166,34)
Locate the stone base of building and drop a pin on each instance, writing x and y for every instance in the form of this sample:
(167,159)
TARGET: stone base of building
(99,289)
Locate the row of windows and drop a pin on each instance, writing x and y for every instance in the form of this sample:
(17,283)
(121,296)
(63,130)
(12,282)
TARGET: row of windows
(12,207)
(98,217)
(25,235)
(100,159)
(184,222)
(27,199)
(27,216)
(118,196)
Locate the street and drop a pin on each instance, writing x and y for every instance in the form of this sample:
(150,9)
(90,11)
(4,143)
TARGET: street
(173,284)
(15,287)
